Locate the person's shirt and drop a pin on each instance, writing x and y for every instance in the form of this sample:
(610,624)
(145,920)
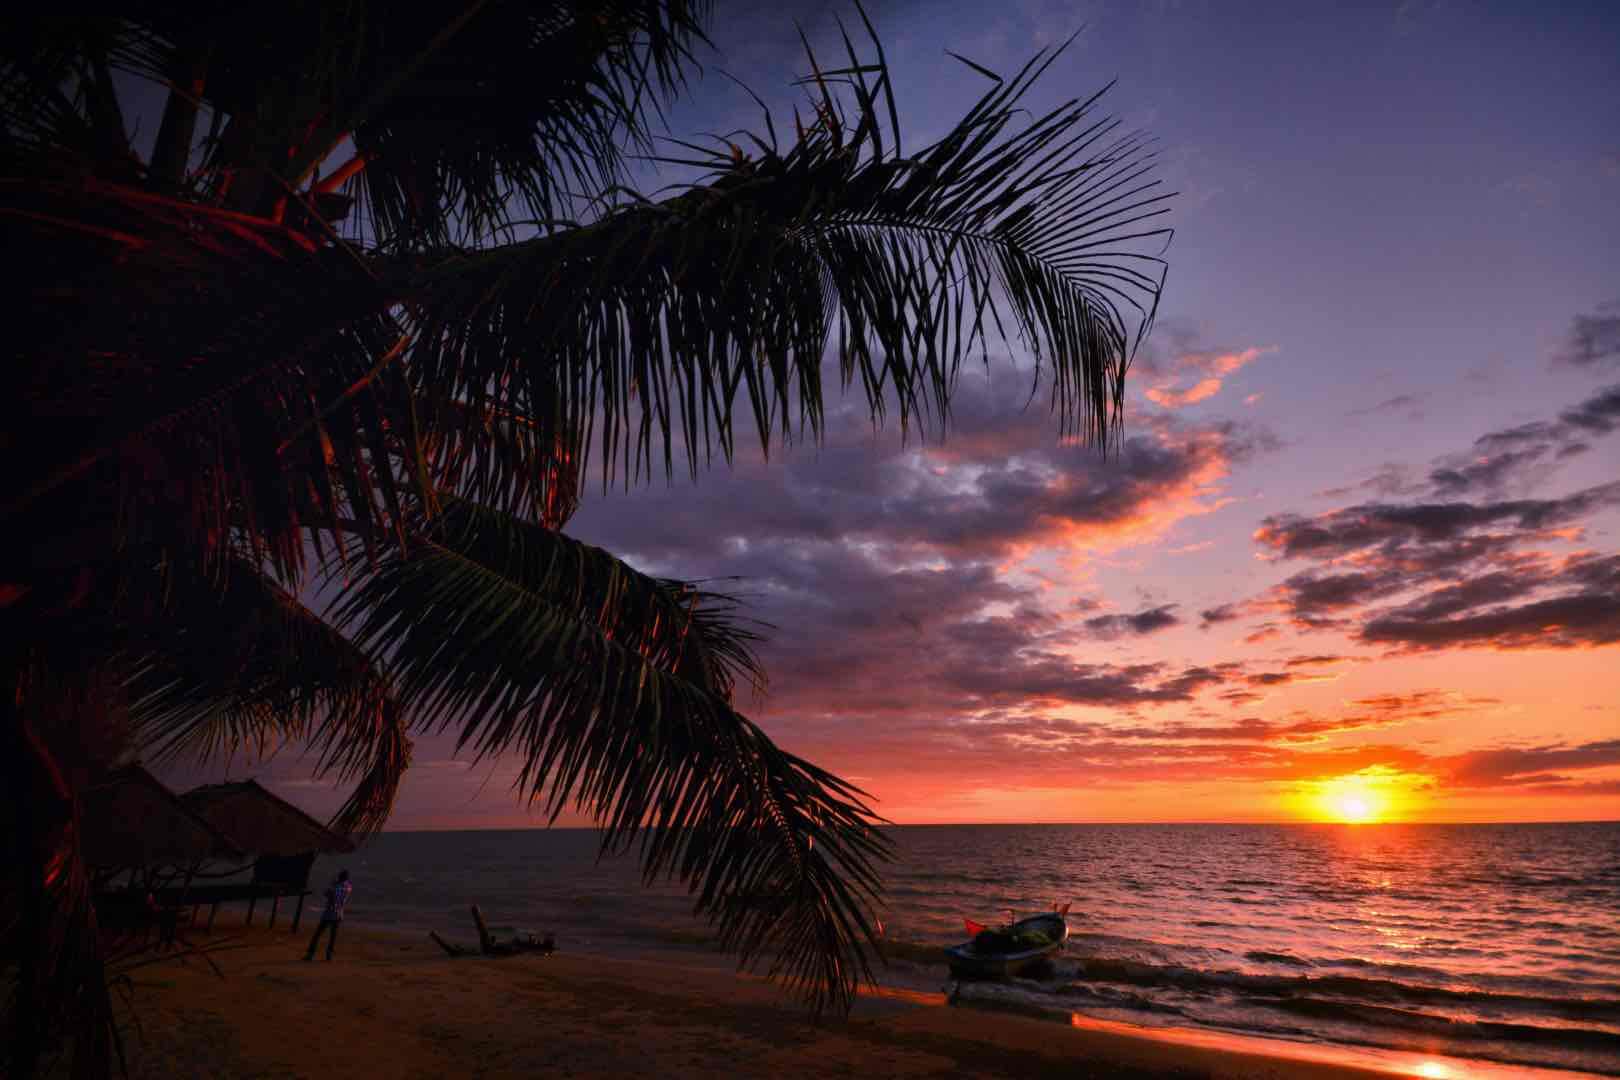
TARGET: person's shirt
(336,897)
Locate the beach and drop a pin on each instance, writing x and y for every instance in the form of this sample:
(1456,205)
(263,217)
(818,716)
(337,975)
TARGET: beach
(1479,943)
(393,1004)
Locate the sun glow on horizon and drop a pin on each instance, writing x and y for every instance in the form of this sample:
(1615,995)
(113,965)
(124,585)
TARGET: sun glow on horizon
(1369,797)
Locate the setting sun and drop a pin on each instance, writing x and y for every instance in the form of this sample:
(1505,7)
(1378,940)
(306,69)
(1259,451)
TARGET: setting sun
(1367,797)
(1353,808)
(1352,800)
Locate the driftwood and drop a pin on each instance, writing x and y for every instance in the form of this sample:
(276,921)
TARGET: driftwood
(488,945)
(523,945)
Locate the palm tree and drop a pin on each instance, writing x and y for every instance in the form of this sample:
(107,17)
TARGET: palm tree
(304,388)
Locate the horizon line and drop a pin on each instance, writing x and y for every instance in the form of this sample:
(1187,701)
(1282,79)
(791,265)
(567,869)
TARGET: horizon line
(1054,824)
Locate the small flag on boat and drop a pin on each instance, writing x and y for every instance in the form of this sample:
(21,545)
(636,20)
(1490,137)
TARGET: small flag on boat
(974,929)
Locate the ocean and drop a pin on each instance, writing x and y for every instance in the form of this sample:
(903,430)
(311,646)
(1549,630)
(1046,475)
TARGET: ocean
(1490,942)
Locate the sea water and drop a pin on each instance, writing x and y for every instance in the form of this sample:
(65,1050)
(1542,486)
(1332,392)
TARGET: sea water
(1498,942)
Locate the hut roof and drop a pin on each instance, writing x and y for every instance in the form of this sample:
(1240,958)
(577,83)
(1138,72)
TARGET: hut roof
(261,821)
(132,819)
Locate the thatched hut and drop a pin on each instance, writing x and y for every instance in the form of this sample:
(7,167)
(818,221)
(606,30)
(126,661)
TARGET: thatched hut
(131,821)
(283,837)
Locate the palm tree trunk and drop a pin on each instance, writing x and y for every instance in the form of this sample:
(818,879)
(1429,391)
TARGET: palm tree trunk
(28,773)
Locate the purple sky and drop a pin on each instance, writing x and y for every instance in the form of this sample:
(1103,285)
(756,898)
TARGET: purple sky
(1364,519)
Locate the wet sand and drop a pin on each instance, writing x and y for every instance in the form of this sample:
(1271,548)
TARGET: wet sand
(396,1006)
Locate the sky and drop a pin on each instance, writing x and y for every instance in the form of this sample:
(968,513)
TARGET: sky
(1357,556)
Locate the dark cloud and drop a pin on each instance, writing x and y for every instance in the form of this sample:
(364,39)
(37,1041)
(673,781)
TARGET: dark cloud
(1469,571)
(1392,481)
(1474,592)
(1489,473)
(1514,438)
(1141,623)
(1561,622)
(1341,532)
(1000,483)
(1594,340)
(1313,594)
(1219,614)
(1536,765)
(883,565)
(1597,415)
(1526,455)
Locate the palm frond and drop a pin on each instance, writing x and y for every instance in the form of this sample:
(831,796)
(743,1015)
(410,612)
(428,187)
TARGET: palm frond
(208,341)
(53,991)
(57,96)
(507,461)
(245,666)
(615,699)
(648,323)
(557,88)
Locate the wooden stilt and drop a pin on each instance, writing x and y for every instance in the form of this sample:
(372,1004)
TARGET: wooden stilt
(299,914)
(253,902)
(275,906)
(212,911)
(483,931)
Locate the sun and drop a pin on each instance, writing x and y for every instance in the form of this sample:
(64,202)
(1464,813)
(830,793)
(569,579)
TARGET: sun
(1354,799)
(1353,809)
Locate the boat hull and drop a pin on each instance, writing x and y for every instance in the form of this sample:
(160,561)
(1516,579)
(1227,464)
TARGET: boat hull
(965,960)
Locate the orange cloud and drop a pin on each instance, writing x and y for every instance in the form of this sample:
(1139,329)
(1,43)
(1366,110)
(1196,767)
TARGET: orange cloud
(1175,399)
(1197,376)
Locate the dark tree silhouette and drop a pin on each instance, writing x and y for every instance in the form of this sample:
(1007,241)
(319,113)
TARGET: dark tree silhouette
(354,327)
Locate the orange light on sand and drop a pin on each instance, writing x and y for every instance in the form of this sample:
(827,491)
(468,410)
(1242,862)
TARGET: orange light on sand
(1433,1069)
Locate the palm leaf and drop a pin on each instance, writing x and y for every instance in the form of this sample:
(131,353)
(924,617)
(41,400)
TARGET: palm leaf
(644,326)
(53,990)
(615,699)
(212,389)
(207,340)
(248,666)
(507,461)
(558,89)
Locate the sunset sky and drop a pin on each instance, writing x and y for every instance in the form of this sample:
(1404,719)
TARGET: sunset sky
(1360,546)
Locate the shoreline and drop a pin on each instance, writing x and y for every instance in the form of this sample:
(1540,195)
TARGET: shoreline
(393,1004)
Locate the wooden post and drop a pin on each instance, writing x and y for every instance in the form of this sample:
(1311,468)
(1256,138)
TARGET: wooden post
(212,911)
(483,931)
(253,902)
(275,906)
(299,914)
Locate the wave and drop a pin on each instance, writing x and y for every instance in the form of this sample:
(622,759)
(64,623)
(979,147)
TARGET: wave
(1447,1027)
(1358,988)
(1260,956)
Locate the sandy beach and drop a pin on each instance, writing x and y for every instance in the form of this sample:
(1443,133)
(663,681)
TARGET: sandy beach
(396,1006)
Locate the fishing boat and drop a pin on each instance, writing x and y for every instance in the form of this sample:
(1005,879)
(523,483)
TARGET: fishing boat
(1012,949)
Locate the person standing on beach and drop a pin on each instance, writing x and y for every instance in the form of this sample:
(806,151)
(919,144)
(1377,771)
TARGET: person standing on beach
(337,895)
